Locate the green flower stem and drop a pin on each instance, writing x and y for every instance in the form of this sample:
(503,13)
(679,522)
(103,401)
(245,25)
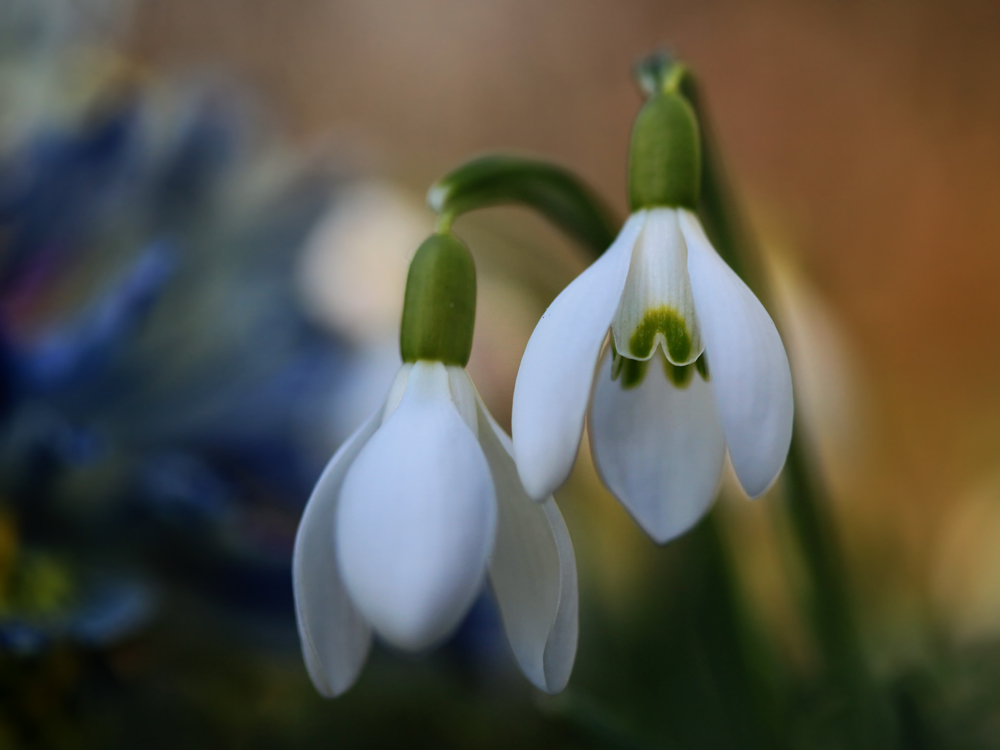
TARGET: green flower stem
(501,179)
(595,722)
(744,668)
(830,610)
(828,600)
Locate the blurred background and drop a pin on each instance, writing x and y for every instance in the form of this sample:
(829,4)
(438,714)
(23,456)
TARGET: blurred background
(206,214)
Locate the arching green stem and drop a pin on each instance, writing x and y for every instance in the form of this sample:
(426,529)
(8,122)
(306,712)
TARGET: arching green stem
(500,179)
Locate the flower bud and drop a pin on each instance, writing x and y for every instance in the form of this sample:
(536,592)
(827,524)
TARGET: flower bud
(439,309)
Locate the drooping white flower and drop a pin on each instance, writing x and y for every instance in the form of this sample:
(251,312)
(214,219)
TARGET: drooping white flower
(412,514)
(694,366)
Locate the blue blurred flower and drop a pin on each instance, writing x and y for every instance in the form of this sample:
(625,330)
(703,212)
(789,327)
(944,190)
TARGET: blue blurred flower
(158,380)
(102,614)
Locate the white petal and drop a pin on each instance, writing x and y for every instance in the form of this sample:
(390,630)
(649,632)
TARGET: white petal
(335,638)
(659,449)
(417,517)
(553,382)
(464,396)
(396,390)
(656,308)
(533,570)
(746,361)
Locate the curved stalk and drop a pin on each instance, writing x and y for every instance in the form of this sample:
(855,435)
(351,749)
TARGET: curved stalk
(503,179)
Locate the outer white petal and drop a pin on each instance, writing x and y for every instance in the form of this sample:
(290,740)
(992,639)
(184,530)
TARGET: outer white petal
(417,517)
(335,638)
(533,570)
(464,396)
(396,391)
(553,382)
(747,363)
(658,448)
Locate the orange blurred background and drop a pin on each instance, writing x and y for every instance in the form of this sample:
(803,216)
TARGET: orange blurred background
(863,138)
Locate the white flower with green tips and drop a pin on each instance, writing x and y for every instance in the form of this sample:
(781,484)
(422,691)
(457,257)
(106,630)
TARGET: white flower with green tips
(693,364)
(423,503)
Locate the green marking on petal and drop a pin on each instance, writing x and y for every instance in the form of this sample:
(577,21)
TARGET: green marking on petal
(633,371)
(630,371)
(679,375)
(617,362)
(668,322)
(702,365)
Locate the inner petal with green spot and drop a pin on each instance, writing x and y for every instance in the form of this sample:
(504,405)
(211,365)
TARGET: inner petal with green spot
(663,326)
(657,307)
(631,372)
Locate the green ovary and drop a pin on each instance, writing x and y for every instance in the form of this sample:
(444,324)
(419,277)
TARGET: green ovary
(667,322)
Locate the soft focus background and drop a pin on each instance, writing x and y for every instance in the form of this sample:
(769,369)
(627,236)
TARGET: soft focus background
(206,212)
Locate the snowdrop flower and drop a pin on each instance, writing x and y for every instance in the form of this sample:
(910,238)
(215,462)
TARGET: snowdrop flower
(693,364)
(423,503)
